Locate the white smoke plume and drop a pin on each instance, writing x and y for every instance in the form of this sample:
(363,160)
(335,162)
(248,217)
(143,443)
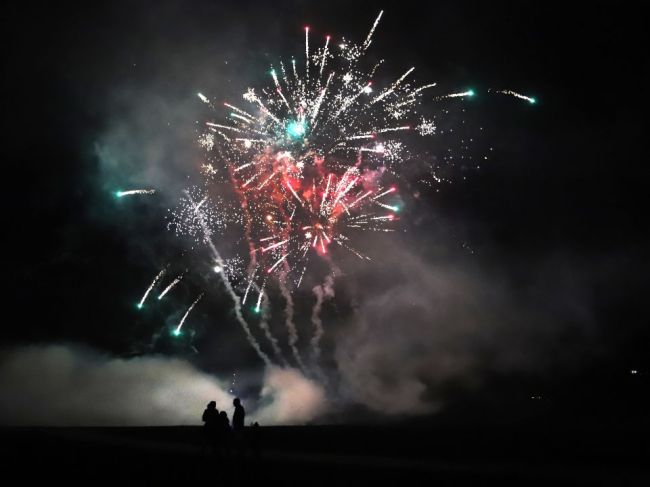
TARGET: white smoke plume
(288,397)
(322,292)
(435,325)
(58,385)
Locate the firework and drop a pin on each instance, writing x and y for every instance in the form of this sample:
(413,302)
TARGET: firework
(131,192)
(177,330)
(309,160)
(529,99)
(170,286)
(151,286)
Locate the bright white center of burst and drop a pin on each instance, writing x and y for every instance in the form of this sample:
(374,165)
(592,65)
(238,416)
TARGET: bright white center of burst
(342,46)
(380,148)
(347,78)
(367,89)
(247,144)
(216,268)
(308,235)
(300,165)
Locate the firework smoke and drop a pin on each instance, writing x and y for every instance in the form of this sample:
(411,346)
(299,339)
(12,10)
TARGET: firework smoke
(231,291)
(291,327)
(322,292)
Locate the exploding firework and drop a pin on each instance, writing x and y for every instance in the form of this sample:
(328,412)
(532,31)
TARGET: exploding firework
(310,161)
(314,157)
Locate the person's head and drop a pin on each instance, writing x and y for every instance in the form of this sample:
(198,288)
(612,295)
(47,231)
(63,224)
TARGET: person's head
(236,402)
(223,414)
(212,405)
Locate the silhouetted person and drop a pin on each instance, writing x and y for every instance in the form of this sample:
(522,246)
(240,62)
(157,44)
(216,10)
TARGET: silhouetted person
(224,422)
(238,429)
(211,424)
(225,432)
(238,416)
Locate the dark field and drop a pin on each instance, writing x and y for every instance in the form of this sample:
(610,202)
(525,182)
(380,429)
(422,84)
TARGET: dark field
(534,454)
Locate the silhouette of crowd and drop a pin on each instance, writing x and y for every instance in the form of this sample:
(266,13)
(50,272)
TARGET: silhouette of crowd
(220,436)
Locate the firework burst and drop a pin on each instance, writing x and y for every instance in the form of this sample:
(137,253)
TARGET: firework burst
(314,157)
(309,160)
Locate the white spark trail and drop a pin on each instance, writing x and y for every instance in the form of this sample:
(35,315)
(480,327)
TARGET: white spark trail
(266,181)
(250,282)
(288,184)
(320,98)
(151,286)
(394,129)
(249,180)
(275,245)
(278,263)
(529,99)
(307,52)
(201,203)
(170,287)
(259,297)
(343,193)
(388,207)
(295,72)
(456,95)
(252,97)
(368,40)
(240,117)
(392,87)
(135,191)
(425,87)
(240,111)
(180,325)
(360,198)
(286,102)
(324,58)
(239,168)
(327,188)
(346,104)
(389,190)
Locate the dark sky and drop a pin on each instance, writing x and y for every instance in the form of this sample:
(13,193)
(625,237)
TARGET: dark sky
(563,193)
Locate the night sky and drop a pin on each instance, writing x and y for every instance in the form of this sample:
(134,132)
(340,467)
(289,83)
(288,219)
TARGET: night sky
(525,277)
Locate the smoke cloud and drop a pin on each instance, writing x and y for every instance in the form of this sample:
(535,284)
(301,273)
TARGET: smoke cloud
(288,397)
(59,385)
(431,326)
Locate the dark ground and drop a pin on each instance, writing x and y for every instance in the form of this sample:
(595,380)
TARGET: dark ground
(541,453)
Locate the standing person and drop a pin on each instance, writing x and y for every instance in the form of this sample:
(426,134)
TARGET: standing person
(238,416)
(224,432)
(211,424)
(238,428)
(224,423)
